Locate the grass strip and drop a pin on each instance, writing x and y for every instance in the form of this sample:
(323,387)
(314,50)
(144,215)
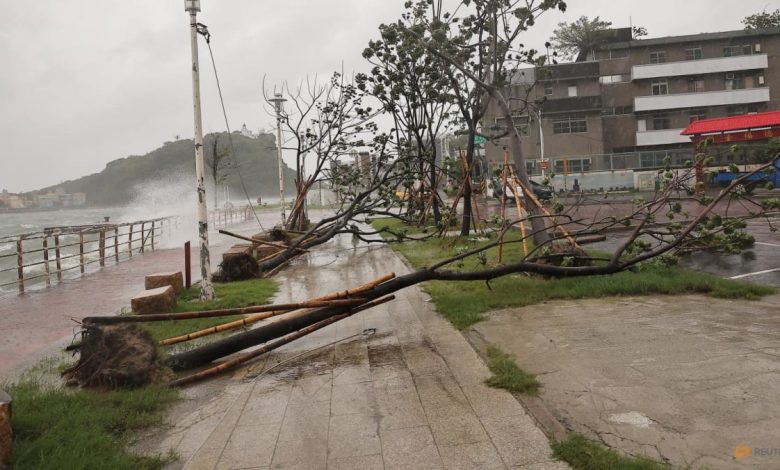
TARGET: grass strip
(585,454)
(507,374)
(72,428)
(464,302)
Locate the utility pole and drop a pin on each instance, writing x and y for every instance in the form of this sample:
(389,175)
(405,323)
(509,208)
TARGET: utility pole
(277,100)
(206,289)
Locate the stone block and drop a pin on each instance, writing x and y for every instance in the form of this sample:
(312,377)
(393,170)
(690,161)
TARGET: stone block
(173,279)
(159,300)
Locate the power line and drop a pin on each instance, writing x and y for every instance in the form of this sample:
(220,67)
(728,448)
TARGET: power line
(203,30)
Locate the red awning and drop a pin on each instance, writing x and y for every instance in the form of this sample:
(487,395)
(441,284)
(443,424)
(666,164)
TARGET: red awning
(743,122)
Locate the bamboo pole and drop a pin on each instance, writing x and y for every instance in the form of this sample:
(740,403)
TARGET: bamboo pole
(57,256)
(530,194)
(152,235)
(503,204)
(339,298)
(259,242)
(116,244)
(229,326)
(275,344)
(153,317)
(46,267)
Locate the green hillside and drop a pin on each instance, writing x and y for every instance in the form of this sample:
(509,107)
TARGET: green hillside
(117,183)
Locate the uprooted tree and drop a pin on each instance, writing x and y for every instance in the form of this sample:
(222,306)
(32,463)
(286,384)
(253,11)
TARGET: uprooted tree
(657,228)
(478,54)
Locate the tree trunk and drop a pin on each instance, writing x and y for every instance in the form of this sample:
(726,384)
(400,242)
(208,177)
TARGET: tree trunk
(435,188)
(465,227)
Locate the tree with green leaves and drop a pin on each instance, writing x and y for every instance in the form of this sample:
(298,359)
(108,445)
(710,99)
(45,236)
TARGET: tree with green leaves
(412,88)
(579,39)
(763,20)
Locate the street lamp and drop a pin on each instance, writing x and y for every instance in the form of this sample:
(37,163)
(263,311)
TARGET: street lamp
(206,289)
(542,161)
(278,101)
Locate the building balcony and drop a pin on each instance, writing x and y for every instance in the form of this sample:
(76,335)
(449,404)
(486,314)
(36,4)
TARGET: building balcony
(701,100)
(573,104)
(700,67)
(662,137)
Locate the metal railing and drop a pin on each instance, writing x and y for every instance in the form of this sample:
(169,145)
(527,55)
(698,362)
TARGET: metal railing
(47,255)
(229,216)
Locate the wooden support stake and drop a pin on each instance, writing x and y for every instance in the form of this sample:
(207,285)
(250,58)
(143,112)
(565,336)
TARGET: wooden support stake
(81,250)
(187,266)
(143,239)
(57,256)
(20,265)
(116,244)
(46,267)
(130,241)
(502,211)
(102,247)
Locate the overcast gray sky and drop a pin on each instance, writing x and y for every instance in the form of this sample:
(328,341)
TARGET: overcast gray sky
(84,82)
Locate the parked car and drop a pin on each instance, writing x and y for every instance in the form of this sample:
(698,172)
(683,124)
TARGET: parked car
(542,192)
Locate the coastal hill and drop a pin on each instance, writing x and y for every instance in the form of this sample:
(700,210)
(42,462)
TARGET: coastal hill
(120,181)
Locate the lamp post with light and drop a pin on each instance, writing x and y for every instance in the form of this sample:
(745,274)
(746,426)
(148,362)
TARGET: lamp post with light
(206,289)
(278,100)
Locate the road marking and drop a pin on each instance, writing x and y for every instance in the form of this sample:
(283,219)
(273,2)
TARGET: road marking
(755,273)
(767,244)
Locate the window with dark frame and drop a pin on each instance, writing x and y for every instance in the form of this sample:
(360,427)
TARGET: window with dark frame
(734,81)
(661,121)
(658,57)
(695,85)
(697,115)
(659,87)
(548,89)
(737,50)
(571,125)
(693,53)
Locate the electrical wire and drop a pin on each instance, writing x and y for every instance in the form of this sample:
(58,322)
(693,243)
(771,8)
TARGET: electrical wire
(203,30)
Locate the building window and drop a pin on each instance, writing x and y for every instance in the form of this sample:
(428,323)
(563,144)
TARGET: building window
(744,49)
(697,115)
(693,53)
(611,79)
(659,87)
(548,89)
(570,126)
(661,121)
(695,85)
(572,165)
(734,81)
(658,57)
(617,110)
(735,110)
(572,90)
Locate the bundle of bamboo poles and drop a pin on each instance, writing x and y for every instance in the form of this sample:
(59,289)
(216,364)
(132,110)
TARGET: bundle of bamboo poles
(286,323)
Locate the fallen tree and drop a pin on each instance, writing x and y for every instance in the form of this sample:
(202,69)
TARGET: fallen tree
(645,241)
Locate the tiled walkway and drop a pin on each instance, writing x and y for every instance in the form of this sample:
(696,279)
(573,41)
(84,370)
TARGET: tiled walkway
(409,394)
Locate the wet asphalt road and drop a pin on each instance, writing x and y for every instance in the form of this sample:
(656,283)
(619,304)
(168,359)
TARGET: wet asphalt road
(759,264)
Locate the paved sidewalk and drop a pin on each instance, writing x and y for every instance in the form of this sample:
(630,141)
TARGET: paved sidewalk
(40,322)
(410,395)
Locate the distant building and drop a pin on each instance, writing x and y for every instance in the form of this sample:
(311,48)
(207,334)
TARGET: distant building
(625,110)
(247,133)
(11,200)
